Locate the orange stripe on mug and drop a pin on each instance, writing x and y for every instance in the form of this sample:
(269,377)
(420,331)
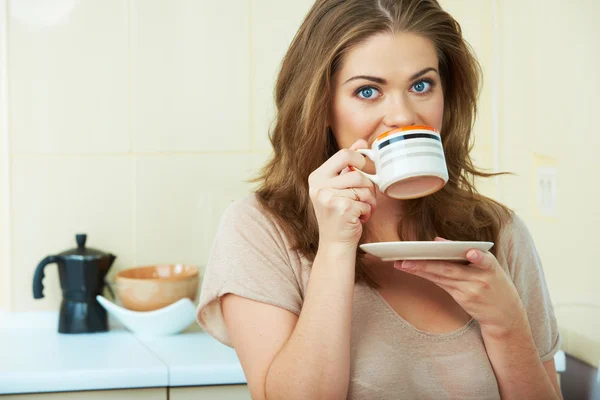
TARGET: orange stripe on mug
(406,128)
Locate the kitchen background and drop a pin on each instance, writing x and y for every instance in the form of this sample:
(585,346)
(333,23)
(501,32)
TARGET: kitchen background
(138,121)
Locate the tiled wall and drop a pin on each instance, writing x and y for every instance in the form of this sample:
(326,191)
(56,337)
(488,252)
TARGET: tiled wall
(5,283)
(548,101)
(137,121)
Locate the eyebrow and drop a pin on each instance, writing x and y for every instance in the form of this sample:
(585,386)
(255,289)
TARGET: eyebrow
(382,81)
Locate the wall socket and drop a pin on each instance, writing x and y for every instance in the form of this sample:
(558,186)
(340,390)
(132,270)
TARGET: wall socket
(546,191)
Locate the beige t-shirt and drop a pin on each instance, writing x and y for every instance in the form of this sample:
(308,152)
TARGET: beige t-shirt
(390,358)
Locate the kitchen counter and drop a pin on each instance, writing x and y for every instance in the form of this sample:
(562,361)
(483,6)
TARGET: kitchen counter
(195,358)
(35,358)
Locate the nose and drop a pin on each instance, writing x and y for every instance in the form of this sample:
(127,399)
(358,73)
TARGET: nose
(399,113)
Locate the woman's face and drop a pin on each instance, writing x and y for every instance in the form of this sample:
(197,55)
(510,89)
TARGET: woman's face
(386,82)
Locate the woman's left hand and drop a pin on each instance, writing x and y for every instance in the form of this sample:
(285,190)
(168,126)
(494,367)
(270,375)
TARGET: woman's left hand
(482,289)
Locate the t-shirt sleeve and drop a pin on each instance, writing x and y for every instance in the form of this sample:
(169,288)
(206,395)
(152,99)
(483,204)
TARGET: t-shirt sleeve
(526,271)
(249,258)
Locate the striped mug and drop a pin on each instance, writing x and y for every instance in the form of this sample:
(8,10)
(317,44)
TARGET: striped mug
(409,162)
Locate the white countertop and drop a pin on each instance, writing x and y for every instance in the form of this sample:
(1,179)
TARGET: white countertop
(196,358)
(34,358)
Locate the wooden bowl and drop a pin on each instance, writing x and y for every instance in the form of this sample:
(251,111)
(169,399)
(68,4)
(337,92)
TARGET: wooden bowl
(152,287)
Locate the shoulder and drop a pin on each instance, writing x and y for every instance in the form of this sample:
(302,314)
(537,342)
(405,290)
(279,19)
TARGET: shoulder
(247,206)
(249,219)
(248,212)
(514,231)
(517,251)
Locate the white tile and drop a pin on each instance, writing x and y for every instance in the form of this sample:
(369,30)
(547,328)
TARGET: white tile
(68,76)
(259,160)
(475,18)
(179,202)
(4,287)
(273,26)
(54,198)
(190,75)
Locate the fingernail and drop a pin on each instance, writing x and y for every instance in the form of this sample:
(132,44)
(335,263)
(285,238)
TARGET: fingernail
(472,255)
(408,264)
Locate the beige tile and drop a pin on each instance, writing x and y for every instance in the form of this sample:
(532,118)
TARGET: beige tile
(222,392)
(68,76)
(190,75)
(273,26)
(56,197)
(580,327)
(4,287)
(113,394)
(476,20)
(179,202)
(259,160)
(483,158)
(546,111)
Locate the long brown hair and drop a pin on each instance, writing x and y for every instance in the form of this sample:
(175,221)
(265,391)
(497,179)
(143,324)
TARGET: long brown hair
(302,141)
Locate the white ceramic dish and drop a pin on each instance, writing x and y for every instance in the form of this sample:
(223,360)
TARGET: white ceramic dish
(443,250)
(168,320)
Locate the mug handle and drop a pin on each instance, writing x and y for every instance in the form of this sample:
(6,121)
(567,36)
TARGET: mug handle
(371,154)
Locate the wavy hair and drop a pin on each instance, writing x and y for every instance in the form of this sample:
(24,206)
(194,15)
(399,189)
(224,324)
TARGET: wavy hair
(302,141)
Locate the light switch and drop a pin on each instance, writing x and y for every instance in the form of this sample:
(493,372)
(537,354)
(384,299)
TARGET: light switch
(545,173)
(546,191)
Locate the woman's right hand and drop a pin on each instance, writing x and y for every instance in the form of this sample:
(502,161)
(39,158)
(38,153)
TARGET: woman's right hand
(340,211)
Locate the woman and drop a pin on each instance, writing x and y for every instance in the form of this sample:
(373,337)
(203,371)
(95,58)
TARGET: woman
(312,317)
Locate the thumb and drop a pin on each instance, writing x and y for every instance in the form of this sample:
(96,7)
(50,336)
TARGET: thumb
(359,144)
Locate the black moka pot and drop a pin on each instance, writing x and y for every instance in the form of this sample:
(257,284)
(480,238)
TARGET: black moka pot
(82,271)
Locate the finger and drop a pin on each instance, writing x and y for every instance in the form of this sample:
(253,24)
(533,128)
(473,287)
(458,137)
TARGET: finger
(356,210)
(359,144)
(363,194)
(482,259)
(364,211)
(345,171)
(449,285)
(357,194)
(355,180)
(352,179)
(446,269)
(344,158)
(440,239)
(364,197)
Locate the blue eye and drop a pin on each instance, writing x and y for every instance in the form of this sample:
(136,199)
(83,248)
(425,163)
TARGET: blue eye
(422,86)
(367,93)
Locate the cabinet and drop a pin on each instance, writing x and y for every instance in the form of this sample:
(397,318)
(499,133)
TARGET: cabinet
(224,392)
(117,394)
(227,392)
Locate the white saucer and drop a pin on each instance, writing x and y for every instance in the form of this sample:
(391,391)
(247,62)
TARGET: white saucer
(447,251)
